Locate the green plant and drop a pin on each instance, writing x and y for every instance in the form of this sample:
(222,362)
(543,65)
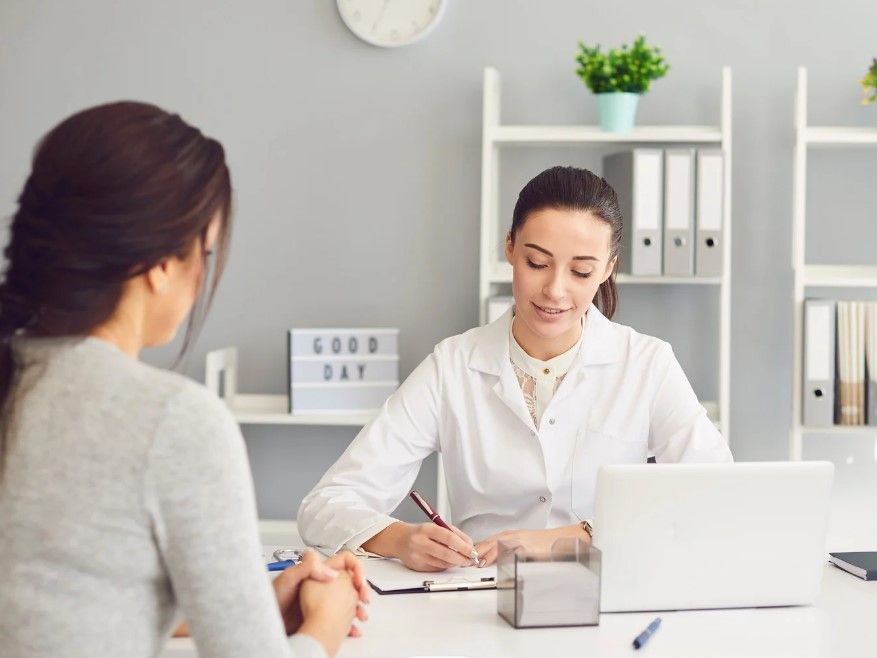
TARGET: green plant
(627,70)
(869,84)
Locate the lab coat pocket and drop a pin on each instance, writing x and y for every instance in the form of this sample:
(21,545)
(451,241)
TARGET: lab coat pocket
(596,447)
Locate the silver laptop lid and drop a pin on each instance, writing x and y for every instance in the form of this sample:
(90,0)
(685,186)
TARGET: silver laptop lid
(682,536)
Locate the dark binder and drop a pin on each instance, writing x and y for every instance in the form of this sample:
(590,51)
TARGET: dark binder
(862,564)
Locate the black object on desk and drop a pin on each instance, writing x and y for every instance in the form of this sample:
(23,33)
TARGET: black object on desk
(862,564)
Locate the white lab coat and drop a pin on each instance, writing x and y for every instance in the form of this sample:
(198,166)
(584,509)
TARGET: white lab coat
(624,398)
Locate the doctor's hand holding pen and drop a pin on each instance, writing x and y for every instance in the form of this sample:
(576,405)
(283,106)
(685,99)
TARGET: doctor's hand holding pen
(432,546)
(424,546)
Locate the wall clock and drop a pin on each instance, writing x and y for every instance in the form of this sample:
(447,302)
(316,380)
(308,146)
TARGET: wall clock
(391,23)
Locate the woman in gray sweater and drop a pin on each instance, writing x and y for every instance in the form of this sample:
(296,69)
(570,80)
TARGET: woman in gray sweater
(125,492)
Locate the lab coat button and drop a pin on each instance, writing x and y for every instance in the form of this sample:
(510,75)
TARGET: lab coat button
(542,499)
(551,421)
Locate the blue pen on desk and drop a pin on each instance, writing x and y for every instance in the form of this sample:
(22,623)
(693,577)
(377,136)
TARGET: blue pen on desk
(643,637)
(280,565)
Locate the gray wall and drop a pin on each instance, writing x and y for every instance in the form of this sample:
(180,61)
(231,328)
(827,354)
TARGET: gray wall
(357,169)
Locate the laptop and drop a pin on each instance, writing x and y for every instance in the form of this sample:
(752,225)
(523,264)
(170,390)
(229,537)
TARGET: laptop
(691,536)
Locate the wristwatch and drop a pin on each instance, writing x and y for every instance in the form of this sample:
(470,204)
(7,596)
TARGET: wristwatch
(588,528)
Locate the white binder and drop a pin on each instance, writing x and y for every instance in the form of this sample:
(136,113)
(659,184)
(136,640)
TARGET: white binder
(679,212)
(709,206)
(637,177)
(819,355)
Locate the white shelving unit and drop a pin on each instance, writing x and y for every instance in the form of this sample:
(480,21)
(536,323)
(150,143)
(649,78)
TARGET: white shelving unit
(818,276)
(273,410)
(494,271)
(221,378)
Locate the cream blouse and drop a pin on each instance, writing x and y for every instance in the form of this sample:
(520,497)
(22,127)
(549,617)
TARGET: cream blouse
(540,379)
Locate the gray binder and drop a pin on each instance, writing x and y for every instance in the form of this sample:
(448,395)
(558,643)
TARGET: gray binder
(871,362)
(871,410)
(819,362)
(637,177)
(709,209)
(679,212)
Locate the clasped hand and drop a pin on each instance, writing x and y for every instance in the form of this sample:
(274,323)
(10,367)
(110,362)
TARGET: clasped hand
(339,579)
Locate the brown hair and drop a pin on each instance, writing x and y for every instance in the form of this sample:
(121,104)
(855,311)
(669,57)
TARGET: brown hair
(113,190)
(571,188)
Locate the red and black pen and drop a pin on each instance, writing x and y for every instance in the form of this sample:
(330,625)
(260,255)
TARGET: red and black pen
(439,521)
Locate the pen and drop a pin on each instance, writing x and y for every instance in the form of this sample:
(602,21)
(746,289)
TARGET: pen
(280,565)
(643,637)
(435,518)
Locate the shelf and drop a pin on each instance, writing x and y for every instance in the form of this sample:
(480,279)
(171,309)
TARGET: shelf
(818,276)
(829,136)
(552,135)
(841,429)
(502,273)
(629,279)
(273,410)
(840,276)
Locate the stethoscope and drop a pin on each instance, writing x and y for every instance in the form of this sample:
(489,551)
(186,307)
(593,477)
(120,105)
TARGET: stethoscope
(284,558)
(282,554)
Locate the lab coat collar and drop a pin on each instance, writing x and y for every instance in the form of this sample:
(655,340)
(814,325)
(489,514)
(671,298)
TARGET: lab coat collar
(600,345)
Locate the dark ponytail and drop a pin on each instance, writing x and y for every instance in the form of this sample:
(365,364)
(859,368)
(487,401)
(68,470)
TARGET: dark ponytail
(571,188)
(113,191)
(15,314)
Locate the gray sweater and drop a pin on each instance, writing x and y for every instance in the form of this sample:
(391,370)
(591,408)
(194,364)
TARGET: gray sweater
(126,499)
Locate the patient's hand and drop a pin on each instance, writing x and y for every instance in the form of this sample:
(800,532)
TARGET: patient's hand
(182,630)
(328,610)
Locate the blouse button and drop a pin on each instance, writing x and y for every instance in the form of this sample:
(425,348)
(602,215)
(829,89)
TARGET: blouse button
(547,371)
(542,499)
(551,421)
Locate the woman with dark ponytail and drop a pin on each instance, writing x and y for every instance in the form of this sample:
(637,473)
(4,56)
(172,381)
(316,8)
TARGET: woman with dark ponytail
(125,491)
(524,410)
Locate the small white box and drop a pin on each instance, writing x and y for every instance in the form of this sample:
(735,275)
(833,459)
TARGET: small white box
(341,370)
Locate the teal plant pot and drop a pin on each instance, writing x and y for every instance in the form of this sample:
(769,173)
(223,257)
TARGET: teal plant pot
(617,111)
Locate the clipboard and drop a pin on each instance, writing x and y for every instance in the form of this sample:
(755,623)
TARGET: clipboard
(390,576)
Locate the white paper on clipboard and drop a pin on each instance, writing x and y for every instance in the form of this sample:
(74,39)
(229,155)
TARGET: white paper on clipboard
(390,576)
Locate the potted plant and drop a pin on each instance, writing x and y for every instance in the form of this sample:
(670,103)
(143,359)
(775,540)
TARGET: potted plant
(618,78)
(869,84)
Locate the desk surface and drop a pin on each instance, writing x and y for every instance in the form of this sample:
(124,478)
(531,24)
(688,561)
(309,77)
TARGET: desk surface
(466,624)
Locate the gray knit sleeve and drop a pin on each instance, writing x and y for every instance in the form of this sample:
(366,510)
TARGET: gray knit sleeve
(199,492)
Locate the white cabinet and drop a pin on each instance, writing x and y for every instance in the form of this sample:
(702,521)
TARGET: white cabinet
(809,279)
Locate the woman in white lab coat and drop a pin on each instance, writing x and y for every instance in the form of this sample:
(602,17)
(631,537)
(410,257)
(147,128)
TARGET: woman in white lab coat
(523,410)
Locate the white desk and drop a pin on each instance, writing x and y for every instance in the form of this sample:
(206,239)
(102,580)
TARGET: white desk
(840,625)
(466,624)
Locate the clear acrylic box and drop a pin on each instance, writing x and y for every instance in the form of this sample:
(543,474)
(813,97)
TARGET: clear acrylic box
(559,588)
